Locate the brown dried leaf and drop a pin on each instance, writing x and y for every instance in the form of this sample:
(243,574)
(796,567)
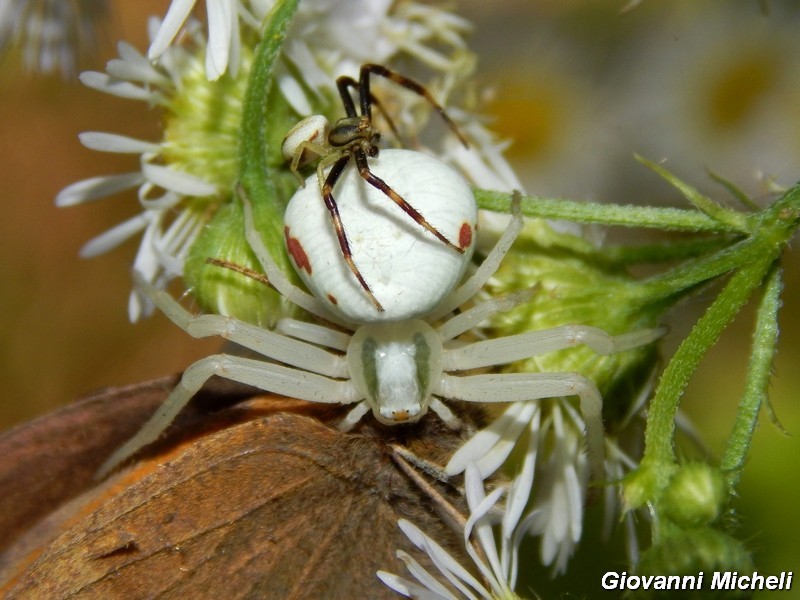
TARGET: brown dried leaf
(267,504)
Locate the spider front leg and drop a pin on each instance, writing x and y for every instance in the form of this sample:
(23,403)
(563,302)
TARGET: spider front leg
(511,348)
(304,154)
(344,244)
(276,277)
(345,84)
(287,350)
(405,82)
(363,169)
(521,387)
(306,140)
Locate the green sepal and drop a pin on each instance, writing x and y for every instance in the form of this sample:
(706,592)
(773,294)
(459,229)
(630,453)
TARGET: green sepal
(220,290)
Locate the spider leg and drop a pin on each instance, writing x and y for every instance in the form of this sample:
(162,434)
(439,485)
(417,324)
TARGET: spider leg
(444,413)
(301,157)
(354,416)
(316,334)
(510,348)
(407,83)
(276,277)
(344,83)
(333,209)
(273,345)
(379,184)
(271,377)
(475,315)
(519,387)
(491,263)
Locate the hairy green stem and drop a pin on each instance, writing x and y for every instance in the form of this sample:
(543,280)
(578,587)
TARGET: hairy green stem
(254,175)
(765,339)
(626,215)
(659,436)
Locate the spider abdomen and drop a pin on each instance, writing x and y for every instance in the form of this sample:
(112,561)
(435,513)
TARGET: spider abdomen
(408,269)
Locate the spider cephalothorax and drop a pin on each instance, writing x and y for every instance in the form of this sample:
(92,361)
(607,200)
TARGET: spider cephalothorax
(355,138)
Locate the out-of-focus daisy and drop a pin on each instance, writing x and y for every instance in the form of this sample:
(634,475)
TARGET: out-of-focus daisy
(53,35)
(497,565)
(710,85)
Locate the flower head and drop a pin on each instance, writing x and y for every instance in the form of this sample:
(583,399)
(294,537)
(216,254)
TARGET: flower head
(186,181)
(497,566)
(177,181)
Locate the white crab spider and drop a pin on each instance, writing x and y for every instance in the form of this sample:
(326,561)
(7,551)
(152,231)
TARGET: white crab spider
(398,370)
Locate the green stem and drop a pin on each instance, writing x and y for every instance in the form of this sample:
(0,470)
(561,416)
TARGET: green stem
(735,220)
(689,274)
(656,253)
(607,214)
(664,406)
(253,172)
(765,339)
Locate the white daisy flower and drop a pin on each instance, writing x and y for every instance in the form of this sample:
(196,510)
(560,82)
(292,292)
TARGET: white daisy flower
(162,187)
(54,36)
(224,44)
(183,178)
(497,566)
(554,469)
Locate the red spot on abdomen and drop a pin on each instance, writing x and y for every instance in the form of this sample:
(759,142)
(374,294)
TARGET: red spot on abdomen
(296,251)
(465,235)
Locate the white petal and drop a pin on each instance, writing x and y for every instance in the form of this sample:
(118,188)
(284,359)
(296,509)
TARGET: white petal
(479,506)
(490,447)
(147,265)
(520,489)
(409,589)
(575,498)
(114,236)
(449,566)
(136,72)
(97,187)
(423,576)
(166,200)
(177,181)
(294,94)
(176,15)
(111,85)
(220,23)
(112,142)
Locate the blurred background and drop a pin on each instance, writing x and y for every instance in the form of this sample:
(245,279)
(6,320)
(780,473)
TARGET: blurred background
(579,86)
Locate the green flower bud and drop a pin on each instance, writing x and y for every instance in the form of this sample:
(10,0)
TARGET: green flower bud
(223,291)
(693,551)
(696,495)
(641,485)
